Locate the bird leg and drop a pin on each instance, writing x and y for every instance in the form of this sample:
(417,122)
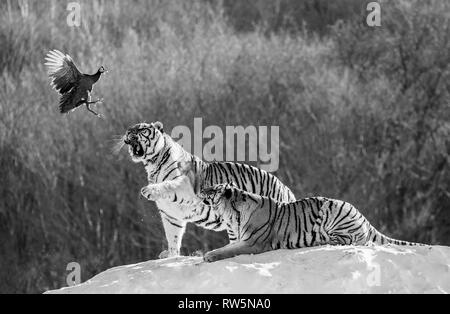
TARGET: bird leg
(89,102)
(90,110)
(94,102)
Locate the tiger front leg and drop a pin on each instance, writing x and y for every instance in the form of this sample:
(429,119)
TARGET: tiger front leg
(150,192)
(163,190)
(232,235)
(154,192)
(174,230)
(231,250)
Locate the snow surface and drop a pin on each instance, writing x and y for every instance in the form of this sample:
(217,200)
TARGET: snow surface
(327,269)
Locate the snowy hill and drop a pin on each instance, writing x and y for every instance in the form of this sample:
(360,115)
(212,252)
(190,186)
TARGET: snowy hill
(387,269)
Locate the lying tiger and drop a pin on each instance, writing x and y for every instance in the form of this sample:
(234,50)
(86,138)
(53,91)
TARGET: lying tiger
(262,224)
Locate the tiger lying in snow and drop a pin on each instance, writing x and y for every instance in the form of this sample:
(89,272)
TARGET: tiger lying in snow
(262,224)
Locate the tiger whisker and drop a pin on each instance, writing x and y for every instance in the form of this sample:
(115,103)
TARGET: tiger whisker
(117,147)
(118,136)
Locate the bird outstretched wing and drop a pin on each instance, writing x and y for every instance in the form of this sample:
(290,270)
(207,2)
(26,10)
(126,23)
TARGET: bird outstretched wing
(62,71)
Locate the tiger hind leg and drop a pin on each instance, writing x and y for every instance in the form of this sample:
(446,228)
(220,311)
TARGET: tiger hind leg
(231,250)
(343,223)
(321,236)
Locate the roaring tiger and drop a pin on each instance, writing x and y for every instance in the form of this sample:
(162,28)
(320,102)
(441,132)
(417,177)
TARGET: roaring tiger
(160,154)
(262,224)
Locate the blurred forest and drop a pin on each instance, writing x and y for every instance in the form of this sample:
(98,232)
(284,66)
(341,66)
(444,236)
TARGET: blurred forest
(364,116)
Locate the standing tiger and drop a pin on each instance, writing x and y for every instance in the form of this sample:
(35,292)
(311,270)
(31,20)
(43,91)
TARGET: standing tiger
(262,224)
(160,154)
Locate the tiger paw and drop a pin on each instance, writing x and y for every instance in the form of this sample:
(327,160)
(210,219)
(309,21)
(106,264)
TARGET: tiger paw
(149,193)
(163,254)
(168,254)
(211,257)
(198,253)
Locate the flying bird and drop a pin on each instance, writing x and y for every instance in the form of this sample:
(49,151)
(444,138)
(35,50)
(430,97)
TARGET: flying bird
(74,87)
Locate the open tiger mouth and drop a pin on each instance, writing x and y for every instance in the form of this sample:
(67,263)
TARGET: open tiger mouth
(137,149)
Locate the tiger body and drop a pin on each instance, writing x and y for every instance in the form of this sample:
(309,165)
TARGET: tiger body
(160,155)
(262,224)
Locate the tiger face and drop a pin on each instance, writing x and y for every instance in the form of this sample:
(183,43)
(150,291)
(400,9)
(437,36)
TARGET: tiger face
(224,196)
(144,140)
(215,195)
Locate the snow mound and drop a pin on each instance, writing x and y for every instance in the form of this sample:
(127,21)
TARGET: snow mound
(327,269)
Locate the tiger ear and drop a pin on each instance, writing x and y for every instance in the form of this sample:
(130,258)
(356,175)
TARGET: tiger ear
(228,193)
(184,166)
(159,126)
(197,186)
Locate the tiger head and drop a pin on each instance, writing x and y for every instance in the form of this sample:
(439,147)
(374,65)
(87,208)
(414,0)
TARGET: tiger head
(144,140)
(225,196)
